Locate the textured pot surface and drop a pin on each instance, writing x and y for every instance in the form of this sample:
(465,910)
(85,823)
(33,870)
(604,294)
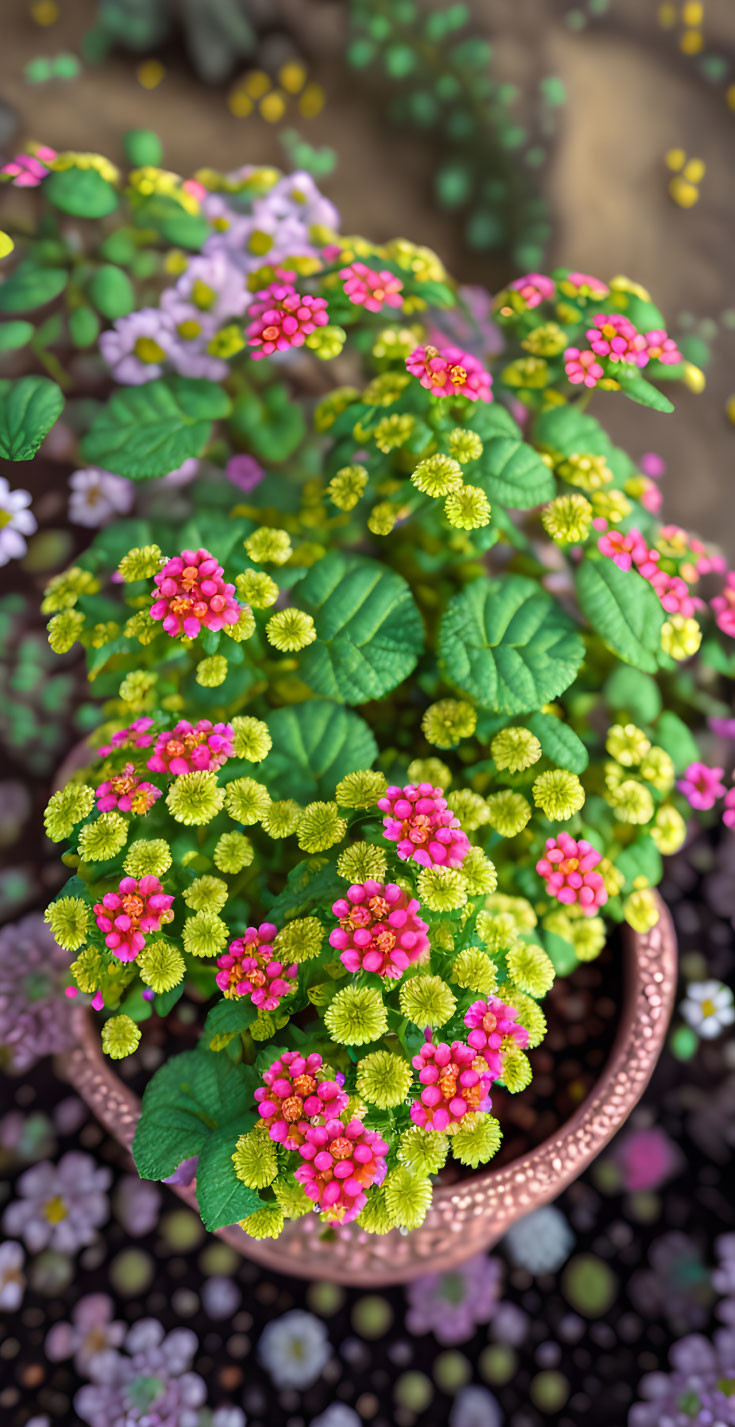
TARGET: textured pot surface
(466,1217)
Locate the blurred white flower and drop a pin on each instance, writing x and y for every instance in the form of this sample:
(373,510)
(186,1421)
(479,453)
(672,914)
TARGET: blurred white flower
(294,1349)
(16,521)
(97,496)
(708,1008)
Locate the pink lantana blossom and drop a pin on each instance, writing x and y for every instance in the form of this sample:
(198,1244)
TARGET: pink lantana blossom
(586,286)
(490,1023)
(614,336)
(629,548)
(701,785)
(724,606)
(136,735)
(249,968)
(189,747)
(448,371)
(138,907)
(296,1094)
(370,289)
(341,1161)
(425,829)
(192,594)
(451,1086)
(283,318)
(582,367)
(662,348)
(379,929)
(728,816)
(29,170)
(534,288)
(127,792)
(674,594)
(567,868)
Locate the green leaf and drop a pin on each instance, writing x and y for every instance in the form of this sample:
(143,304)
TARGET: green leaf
(311,883)
(167,218)
(221,1196)
(623,609)
(111,291)
(314,745)
(82,192)
(28,409)
(510,471)
(182,1103)
(14,335)
(31,286)
(369,631)
(641,859)
(272,424)
(672,734)
(559,742)
(508,644)
(632,692)
(566,429)
(147,431)
(228,1018)
(644,392)
(84,326)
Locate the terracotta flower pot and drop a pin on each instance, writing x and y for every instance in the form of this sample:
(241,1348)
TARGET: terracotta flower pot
(473,1214)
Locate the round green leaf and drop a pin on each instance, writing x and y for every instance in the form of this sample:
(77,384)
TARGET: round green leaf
(84,326)
(369,631)
(30,286)
(509,645)
(111,291)
(623,609)
(82,192)
(147,431)
(14,335)
(315,744)
(28,409)
(142,146)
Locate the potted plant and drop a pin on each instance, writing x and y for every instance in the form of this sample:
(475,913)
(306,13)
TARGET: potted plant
(389,744)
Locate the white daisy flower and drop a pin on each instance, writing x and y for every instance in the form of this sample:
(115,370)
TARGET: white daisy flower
(708,1008)
(16,521)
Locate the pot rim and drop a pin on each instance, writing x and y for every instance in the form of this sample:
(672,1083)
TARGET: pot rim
(471,1215)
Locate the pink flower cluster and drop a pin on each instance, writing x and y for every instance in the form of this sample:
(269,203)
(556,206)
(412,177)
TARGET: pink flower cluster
(370,289)
(136,908)
(425,829)
(136,735)
(567,868)
(582,367)
(724,606)
(379,929)
(614,338)
(341,1161)
(294,1096)
(587,286)
(189,747)
(630,548)
(452,1086)
(448,371)
(701,785)
(490,1023)
(728,817)
(127,792)
(29,170)
(249,968)
(534,288)
(192,594)
(283,318)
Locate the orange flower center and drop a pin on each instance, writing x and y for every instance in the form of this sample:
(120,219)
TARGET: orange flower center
(341,1148)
